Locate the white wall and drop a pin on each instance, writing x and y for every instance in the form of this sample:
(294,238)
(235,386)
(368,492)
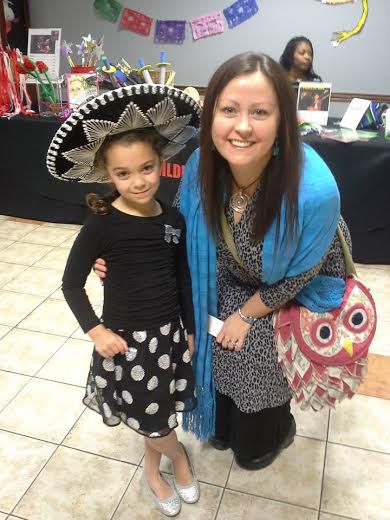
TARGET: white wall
(361,64)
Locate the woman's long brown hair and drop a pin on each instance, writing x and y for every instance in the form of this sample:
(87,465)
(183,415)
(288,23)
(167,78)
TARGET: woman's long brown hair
(280,179)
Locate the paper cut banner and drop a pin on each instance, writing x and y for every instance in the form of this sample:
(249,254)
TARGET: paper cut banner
(207,25)
(170,31)
(240,11)
(108,9)
(136,22)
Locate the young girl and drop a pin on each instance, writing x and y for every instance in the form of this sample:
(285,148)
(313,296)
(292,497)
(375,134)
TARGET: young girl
(140,372)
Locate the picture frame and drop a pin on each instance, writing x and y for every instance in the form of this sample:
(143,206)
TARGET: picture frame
(80,88)
(313,102)
(45,45)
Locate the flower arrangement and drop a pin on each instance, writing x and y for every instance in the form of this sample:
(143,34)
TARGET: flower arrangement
(38,71)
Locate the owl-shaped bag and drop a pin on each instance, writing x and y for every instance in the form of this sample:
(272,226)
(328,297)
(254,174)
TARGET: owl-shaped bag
(324,355)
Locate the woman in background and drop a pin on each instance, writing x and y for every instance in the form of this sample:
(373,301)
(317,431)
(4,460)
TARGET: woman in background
(297,60)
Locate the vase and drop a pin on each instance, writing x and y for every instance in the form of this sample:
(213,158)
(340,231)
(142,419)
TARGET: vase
(49,99)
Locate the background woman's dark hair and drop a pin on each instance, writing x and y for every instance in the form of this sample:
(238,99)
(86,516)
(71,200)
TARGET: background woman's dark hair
(287,58)
(281,176)
(100,204)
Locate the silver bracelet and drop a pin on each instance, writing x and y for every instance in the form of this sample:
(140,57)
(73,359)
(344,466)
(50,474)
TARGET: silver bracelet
(250,320)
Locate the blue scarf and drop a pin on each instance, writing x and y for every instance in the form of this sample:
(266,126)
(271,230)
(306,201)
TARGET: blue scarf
(318,217)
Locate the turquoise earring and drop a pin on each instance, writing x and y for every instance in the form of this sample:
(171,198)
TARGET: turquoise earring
(276,149)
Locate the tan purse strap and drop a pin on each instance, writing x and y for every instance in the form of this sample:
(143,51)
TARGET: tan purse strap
(229,241)
(349,265)
(228,237)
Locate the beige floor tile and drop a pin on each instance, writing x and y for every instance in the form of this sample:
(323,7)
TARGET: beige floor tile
(327,516)
(9,272)
(211,466)
(76,486)
(356,483)
(363,422)
(34,280)
(23,254)
(138,499)
(294,477)
(43,409)
(70,364)
(15,306)
(56,259)
(4,330)
(53,317)
(79,334)
(10,384)
(21,459)
(50,236)
(238,506)
(310,423)
(26,351)
(92,435)
(10,230)
(4,243)
(69,242)
(381,342)
(4,517)
(76,227)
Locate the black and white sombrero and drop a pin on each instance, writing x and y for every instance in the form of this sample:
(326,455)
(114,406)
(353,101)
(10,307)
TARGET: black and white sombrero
(174,114)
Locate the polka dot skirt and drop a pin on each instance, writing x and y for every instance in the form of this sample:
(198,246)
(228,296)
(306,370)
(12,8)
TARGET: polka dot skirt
(145,387)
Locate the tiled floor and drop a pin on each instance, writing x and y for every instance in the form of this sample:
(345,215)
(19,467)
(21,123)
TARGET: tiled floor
(58,461)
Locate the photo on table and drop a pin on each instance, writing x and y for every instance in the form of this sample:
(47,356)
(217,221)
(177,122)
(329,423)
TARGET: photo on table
(313,102)
(81,87)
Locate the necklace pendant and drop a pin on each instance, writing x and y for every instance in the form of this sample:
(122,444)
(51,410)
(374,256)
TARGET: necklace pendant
(239,201)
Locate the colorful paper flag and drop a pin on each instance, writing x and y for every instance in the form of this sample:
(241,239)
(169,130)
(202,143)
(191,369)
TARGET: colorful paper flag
(136,22)
(207,25)
(170,31)
(108,9)
(240,11)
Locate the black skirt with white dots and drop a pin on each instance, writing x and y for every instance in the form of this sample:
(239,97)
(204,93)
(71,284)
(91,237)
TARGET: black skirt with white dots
(145,387)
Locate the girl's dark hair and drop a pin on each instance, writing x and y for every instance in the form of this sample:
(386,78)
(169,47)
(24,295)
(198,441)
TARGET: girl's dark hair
(281,176)
(100,204)
(287,58)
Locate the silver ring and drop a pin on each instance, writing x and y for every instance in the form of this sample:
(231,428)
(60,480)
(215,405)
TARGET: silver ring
(235,343)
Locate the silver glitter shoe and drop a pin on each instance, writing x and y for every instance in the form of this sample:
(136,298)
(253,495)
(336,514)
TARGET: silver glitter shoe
(170,506)
(191,492)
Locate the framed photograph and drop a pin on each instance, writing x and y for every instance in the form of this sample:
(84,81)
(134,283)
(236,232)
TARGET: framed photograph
(80,88)
(44,45)
(313,102)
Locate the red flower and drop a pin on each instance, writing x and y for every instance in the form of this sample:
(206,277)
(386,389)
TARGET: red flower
(20,68)
(41,66)
(28,65)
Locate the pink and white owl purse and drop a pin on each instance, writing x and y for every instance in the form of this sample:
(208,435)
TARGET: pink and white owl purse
(324,355)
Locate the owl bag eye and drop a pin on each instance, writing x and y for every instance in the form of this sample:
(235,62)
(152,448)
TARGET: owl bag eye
(356,319)
(323,333)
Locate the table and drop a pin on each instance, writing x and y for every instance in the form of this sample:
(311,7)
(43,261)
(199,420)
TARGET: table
(362,172)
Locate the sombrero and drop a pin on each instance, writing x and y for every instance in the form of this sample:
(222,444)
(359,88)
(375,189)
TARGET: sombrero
(172,113)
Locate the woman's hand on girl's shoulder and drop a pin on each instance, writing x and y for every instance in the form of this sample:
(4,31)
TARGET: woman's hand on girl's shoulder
(191,343)
(100,268)
(107,343)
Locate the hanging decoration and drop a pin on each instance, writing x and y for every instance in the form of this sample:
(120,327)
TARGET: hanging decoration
(173,31)
(170,31)
(240,11)
(108,9)
(137,22)
(207,25)
(340,36)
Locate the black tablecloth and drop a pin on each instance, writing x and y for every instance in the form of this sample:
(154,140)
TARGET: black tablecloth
(362,172)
